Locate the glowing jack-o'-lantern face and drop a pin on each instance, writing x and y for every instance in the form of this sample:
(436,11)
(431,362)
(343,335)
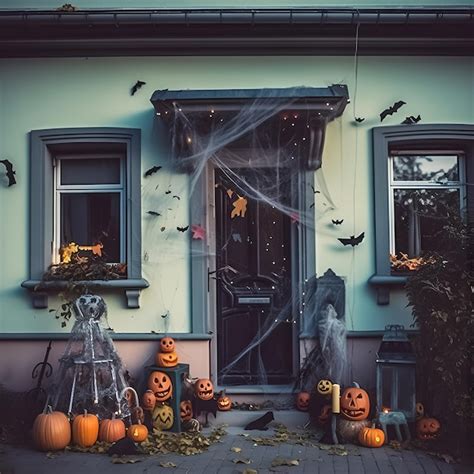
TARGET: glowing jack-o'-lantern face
(163,417)
(204,389)
(167,345)
(160,384)
(166,359)
(302,401)
(427,428)
(186,410)
(324,387)
(355,404)
(224,403)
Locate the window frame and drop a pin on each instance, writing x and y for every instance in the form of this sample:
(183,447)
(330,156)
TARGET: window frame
(443,137)
(60,189)
(44,145)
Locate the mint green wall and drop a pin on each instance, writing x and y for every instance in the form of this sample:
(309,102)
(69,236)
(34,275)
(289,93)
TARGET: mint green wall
(46,93)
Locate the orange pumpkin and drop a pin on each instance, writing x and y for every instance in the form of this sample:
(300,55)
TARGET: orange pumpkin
(325,414)
(427,428)
(166,359)
(51,430)
(148,400)
(111,430)
(167,345)
(137,433)
(302,401)
(163,417)
(355,404)
(186,410)
(204,389)
(160,384)
(371,437)
(85,429)
(224,403)
(324,387)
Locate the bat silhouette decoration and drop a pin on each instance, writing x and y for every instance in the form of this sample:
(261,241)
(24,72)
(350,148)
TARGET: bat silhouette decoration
(183,229)
(138,85)
(314,190)
(153,213)
(261,423)
(359,119)
(10,172)
(392,109)
(168,192)
(411,119)
(177,197)
(152,170)
(353,240)
(336,222)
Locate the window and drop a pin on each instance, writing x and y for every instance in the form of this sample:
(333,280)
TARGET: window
(85,189)
(420,172)
(90,206)
(424,187)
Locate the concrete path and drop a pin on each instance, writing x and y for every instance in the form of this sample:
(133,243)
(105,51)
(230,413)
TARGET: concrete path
(220,459)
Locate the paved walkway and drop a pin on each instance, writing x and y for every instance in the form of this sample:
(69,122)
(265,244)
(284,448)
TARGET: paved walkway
(220,458)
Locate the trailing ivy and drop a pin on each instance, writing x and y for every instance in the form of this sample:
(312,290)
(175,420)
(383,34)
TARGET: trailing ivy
(440,293)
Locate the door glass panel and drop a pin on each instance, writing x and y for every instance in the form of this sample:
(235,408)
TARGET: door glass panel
(90,171)
(436,168)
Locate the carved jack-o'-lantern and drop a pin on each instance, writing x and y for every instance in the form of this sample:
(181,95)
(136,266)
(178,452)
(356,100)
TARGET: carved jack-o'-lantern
(324,387)
(325,415)
(160,384)
(302,401)
(204,389)
(419,410)
(148,400)
(162,417)
(167,345)
(427,428)
(355,403)
(166,359)
(224,403)
(186,410)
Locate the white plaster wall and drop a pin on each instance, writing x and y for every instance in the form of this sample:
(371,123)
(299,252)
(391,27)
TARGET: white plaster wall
(87,92)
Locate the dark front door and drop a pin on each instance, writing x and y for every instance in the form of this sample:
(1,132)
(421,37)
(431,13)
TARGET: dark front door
(253,254)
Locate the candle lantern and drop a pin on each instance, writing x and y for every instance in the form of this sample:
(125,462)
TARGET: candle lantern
(396,373)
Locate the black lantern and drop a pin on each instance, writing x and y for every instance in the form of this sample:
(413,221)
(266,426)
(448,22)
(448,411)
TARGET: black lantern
(396,373)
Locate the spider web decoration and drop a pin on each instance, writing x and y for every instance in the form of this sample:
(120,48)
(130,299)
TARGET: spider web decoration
(90,375)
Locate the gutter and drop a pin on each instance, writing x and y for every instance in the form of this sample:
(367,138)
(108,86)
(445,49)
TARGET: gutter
(237,31)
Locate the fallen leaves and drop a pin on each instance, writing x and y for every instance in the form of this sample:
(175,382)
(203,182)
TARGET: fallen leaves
(167,464)
(236,449)
(285,462)
(241,461)
(125,460)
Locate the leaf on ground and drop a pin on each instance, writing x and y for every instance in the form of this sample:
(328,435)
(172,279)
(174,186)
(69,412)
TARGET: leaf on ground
(249,471)
(241,461)
(235,449)
(285,462)
(51,455)
(125,460)
(167,464)
(447,458)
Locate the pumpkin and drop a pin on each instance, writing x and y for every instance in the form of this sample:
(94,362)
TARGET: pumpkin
(427,428)
(166,359)
(85,429)
(186,410)
(163,417)
(325,414)
(371,437)
(324,387)
(355,403)
(111,430)
(420,410)
(138,432)
(348,430)
(148,400)
(224,403)
(167,344)
(302,401)
(204,389)
(51,430)
(160,384)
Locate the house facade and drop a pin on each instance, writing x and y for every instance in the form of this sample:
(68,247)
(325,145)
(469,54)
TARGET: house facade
(152,179)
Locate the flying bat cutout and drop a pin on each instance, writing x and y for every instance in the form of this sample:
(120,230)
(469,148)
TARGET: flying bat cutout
(314,190)
(336,222)
(177,197)
(153,213)
(240,207)
(152,170)
(353,240)
(183,229)
(359,119)
(163,229)
(10,172)
(391,110)
(411,119)
(138,85)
